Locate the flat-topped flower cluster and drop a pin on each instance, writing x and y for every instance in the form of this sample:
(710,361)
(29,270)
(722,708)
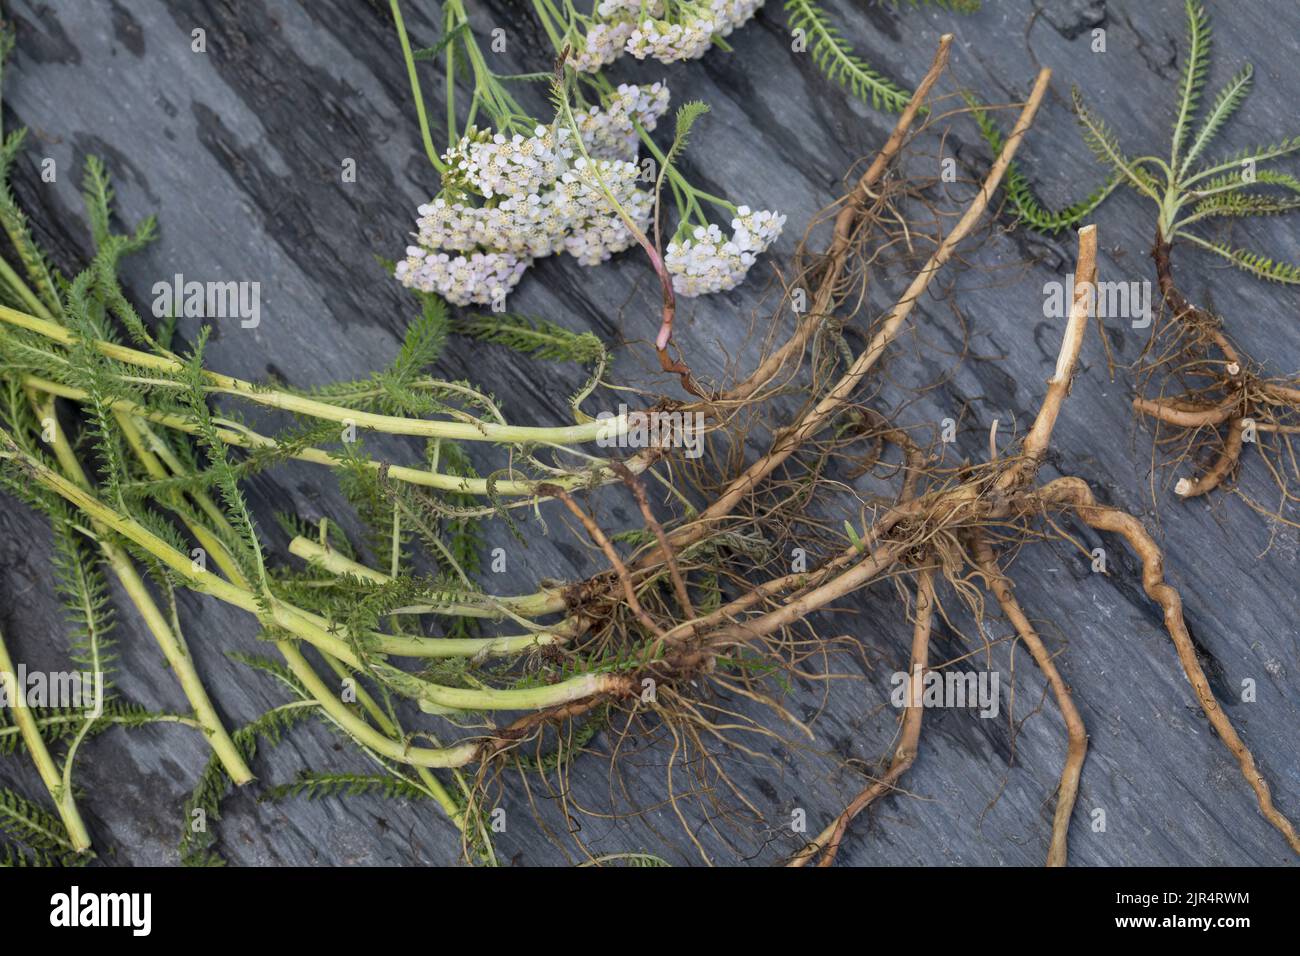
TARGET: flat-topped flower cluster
(665,30)
(705,261)
(509,200)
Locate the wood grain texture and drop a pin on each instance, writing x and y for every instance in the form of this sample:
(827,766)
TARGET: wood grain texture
(238,153)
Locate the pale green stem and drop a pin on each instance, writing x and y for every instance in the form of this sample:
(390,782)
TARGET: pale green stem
(416,94)
(60,793)
(56,720)
(240,435)
(24,291)
(315,630)
(171,643)
(224,560)
(431,783)
(286,401)
(365,734)
(525,605)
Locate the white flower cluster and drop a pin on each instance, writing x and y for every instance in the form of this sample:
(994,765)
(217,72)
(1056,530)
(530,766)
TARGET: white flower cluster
(609,134)
(667,30)
(706,262)
(669,42)
(510,200)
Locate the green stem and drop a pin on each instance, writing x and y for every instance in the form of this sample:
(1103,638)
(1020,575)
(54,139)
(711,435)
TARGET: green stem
(525,605)
(365,734)
(56,720)
(228,565)
(45,766)
(416,94)
(545,16)
(169,641)
(242,436)
(506,113)
(316,630)
(287,401)
(23,290)
(452,135)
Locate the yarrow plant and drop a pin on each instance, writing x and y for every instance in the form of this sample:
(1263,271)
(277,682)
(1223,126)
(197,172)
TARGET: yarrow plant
(136,451)
(1208,398)
(521,189)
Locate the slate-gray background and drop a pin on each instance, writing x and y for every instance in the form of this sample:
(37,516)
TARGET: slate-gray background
(238,151)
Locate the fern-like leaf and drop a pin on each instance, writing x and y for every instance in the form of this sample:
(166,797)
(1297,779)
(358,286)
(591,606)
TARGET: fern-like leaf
(1250,157)
(835,57)
(14,222)
(424,340)
(1239,205)
(1238,180)
(248,552)
(1225,104)
(29,824)
(199,838)
(539,338)
(687,115)
(98,192)
(1194,72)
(1105,146)
(81,583)
(1029,208)
(1255,263)
(316,786)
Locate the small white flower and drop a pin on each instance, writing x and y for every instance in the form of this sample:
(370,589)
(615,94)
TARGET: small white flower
(654,29)
(510,200)
(729,14)
(613,8)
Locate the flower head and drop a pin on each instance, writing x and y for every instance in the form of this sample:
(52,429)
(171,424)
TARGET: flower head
(668,41)
(665,30)
(508,200)
(708,262)
(481,278)
(601,45)
(609,133)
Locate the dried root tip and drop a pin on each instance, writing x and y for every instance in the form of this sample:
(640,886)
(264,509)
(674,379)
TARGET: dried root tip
(1222,467)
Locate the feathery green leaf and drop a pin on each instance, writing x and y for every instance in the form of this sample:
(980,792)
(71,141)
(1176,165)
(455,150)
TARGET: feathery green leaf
(835,57)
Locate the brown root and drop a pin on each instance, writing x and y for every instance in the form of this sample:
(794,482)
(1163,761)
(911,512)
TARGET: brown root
(909,738)
(1221,402)
(699,650)
(1076,734)
(1075,493)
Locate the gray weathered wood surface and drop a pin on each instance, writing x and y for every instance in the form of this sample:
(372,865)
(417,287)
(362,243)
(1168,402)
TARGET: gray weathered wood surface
(238,153)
